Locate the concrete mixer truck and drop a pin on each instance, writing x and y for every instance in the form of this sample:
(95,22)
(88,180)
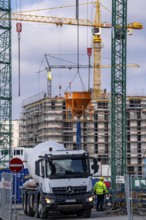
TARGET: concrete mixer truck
(61,181)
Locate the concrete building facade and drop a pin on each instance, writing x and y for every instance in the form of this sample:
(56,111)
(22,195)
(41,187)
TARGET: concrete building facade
(15,133)
(45,118)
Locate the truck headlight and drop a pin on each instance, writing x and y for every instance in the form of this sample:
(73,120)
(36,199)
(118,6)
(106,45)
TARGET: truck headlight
(49,201)
(90,199)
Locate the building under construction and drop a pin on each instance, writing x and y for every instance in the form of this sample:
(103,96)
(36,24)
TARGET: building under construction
(44,118)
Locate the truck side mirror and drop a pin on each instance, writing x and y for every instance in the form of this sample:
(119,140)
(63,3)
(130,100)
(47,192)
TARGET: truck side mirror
(37,168)
(95,165)
(43,172)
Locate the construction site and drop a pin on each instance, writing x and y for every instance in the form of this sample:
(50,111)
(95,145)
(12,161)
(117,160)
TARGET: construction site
(48,118)
(94,111)
(107,126)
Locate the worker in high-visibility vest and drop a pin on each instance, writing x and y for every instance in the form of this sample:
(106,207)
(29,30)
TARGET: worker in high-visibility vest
(100,190)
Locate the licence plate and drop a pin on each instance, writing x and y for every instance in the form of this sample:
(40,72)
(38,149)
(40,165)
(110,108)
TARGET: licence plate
(70,200)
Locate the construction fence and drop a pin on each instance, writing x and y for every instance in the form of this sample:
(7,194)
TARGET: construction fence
(129,198)
(135,189)
(10,193)
(6,188)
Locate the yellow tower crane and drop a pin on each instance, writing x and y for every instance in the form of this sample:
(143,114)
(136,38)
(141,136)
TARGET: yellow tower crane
(97,42)
(97,46)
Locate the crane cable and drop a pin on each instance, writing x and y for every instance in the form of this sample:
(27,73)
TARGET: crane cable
(18,29)
(77,17)
(78,44)
(87,26)
(19,64)
(44,9)
(65,6)
(59,54)
(39,73)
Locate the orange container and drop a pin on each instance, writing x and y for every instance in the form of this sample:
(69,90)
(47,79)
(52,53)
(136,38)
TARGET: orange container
(77,102)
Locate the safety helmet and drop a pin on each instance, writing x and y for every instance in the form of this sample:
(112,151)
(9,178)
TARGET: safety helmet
(102,178)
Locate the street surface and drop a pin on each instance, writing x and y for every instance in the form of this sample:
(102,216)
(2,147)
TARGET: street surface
(19,215)
(95,215)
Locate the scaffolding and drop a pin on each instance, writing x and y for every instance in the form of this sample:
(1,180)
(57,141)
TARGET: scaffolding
(5,78)
(46,119)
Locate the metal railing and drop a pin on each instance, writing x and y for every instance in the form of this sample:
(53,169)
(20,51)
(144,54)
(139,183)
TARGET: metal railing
(6,188)
(135,188)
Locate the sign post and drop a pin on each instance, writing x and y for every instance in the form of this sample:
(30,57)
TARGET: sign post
(15,165)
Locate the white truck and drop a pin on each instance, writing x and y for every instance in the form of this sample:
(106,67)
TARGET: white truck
(61,181)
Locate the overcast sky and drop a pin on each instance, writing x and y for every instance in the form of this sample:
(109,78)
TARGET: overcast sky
(38,39)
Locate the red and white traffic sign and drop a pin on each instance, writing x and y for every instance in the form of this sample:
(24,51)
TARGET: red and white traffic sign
(18,27)
(16,165)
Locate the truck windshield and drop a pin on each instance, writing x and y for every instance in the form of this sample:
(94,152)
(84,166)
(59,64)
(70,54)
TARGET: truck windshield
(68,167)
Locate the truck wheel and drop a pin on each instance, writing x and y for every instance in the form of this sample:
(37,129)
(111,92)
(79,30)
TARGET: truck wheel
(80,213)
(36,208)
(42,211)
(86,213)
(24,203)
(29,205)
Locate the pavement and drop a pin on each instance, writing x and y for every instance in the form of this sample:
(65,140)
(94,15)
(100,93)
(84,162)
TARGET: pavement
(95,215)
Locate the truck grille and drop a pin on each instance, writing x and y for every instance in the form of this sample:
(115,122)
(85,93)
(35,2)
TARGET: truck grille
(70,206)
(69,191)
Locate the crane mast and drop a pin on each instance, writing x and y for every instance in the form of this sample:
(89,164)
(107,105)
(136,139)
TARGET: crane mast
(5,79)
(97,45)
(118,90)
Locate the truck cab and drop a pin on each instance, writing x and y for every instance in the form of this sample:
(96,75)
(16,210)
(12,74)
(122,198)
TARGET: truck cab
(64,184)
